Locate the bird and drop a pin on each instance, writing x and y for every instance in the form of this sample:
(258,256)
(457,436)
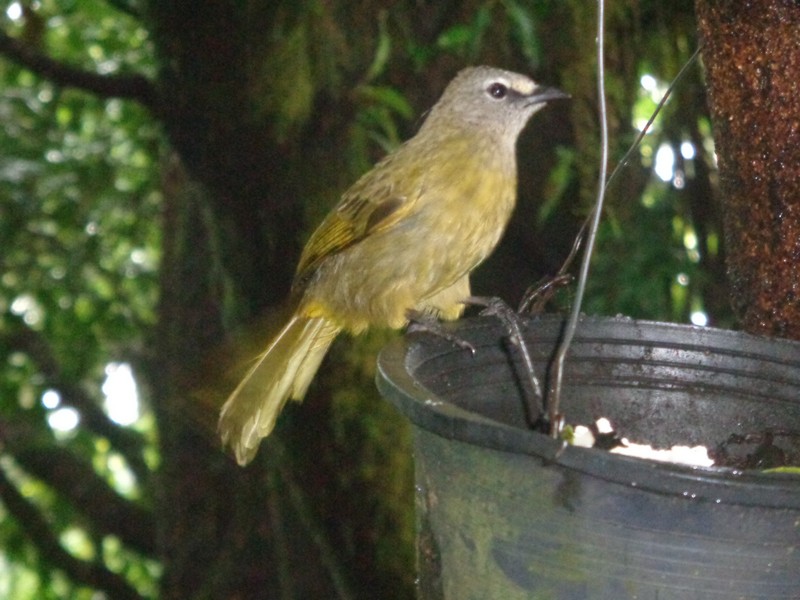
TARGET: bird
(401,241)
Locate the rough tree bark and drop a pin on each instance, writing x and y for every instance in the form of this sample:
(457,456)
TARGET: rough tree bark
(752,57)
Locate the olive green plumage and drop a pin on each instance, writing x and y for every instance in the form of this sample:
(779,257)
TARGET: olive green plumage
(403,238)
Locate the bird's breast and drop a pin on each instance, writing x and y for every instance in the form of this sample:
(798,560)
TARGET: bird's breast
(469,210)
(461,209)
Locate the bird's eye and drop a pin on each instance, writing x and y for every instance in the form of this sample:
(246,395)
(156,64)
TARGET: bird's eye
(497,91)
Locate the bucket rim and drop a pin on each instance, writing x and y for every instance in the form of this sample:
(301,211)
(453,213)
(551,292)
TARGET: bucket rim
(428,411)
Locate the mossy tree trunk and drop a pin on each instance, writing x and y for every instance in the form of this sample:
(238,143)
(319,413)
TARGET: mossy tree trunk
(262,138)
(752,59)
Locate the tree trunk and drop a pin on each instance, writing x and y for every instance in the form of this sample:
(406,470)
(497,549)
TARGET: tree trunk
(224,532)
(233,223)
(752,59)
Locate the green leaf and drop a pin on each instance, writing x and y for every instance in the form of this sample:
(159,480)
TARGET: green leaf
(524,30)
(387,97)
(382,51)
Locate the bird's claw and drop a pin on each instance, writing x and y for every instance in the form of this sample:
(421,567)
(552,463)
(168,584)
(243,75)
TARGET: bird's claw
(426,323)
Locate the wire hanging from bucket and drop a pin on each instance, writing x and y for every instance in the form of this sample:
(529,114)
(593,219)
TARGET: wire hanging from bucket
(593,220)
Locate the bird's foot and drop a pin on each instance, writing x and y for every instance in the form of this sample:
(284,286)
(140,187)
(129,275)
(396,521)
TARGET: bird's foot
(497,307)
(427,323)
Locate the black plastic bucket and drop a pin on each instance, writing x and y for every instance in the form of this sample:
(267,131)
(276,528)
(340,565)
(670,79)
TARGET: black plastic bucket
(506,513)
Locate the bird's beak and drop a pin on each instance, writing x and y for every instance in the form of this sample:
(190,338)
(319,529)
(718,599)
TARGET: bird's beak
(546,94)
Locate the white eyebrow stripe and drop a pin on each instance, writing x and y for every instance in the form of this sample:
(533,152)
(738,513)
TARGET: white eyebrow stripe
(521,85)
(501,80)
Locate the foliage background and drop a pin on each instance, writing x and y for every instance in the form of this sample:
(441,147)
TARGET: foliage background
(161,164)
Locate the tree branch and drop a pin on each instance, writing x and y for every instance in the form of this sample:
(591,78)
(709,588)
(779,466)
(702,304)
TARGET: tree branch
(130,87)
(76,481)
(34,525)
(129,443)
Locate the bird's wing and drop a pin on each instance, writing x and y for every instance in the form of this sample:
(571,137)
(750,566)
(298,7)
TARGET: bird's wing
(364,210)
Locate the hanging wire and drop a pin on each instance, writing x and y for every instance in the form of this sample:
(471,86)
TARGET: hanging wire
(554,397)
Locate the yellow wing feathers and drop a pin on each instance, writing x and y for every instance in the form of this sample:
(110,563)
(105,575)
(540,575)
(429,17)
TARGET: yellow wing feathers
(363,211)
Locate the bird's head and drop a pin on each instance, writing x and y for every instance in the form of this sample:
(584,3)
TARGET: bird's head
(491,100)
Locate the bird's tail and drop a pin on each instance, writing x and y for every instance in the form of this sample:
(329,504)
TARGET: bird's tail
(284,370)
